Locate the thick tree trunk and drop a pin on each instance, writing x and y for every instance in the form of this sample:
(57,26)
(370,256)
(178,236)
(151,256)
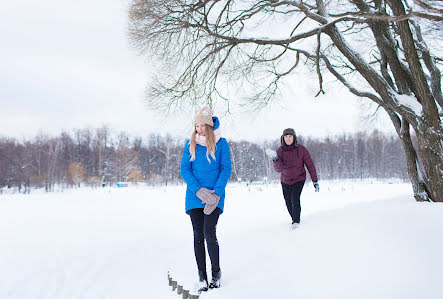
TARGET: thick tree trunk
(429,129)
(430,152)
(421,193)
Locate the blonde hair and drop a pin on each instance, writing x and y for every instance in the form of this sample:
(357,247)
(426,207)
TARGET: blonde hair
(210,143)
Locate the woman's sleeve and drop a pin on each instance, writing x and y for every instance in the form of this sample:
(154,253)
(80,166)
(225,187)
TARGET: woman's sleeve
(186,170)
(225,169)
(278,165)
(310,165)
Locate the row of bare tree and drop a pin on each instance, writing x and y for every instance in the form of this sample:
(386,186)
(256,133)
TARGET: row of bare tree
(96,158)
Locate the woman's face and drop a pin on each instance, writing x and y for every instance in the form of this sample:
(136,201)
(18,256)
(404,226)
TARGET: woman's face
(200,129)
(289,139)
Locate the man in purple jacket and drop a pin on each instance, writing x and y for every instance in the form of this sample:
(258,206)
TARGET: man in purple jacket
(290,162)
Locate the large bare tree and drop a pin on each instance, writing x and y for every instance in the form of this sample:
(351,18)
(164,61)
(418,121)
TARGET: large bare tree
(384,50)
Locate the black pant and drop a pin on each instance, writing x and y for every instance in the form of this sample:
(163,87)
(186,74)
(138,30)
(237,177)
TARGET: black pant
(204,227)
(291,193)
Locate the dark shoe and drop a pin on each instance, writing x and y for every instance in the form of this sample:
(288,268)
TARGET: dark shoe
(215,283)
(202,281)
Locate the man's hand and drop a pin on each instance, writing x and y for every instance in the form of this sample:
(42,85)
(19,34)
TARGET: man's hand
(271,154)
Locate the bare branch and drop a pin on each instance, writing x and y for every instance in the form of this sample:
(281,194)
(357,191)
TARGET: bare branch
(428,7)
(429,62)
(408,16)
(317,62)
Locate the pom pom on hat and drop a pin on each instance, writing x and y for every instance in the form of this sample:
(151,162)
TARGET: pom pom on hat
(204,116)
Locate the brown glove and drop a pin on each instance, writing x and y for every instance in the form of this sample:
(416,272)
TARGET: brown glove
(206,195)
(210,208)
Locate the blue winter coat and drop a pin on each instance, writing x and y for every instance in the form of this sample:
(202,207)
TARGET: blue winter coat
(200,173)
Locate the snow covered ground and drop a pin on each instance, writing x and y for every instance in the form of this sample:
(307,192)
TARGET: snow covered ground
(356,240)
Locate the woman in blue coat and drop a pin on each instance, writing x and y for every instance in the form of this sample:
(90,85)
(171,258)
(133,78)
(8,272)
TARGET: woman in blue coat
(206,168)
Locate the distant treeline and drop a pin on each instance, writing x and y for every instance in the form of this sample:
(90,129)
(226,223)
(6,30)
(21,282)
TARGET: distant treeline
(95,157)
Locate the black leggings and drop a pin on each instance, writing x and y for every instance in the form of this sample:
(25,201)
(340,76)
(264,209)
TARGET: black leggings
(204,227)
(291,193)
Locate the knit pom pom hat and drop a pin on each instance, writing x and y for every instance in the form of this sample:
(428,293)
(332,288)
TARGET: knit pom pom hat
(204,116)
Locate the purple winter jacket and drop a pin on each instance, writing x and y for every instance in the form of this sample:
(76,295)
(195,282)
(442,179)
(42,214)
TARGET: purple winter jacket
(291,164)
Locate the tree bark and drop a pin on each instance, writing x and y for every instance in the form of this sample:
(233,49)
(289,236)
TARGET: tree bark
(421,193)
(429,129)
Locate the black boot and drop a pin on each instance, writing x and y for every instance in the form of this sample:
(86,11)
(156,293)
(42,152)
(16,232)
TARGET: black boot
(202,281)
(215,283)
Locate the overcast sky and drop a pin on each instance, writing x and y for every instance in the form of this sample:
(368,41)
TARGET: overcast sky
(68,64)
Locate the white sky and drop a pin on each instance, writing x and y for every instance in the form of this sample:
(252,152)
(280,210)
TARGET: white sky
(67,64)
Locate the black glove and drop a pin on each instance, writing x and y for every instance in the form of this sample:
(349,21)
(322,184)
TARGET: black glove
(316,186)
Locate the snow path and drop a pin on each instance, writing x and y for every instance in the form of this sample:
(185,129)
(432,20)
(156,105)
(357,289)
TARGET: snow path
(356,240)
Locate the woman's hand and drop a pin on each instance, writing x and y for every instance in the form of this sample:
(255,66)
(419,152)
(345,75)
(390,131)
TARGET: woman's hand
(210,208)
(206,196)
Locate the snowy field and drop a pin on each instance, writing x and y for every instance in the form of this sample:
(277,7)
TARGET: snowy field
(356,240)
